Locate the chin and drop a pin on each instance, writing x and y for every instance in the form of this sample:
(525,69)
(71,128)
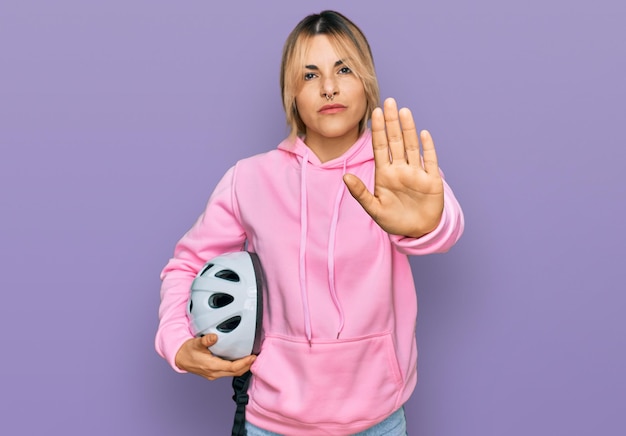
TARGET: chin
(338,131)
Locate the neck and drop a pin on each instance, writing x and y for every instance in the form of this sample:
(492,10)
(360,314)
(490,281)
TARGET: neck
(327,149)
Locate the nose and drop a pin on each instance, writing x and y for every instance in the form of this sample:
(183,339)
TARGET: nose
(329,88)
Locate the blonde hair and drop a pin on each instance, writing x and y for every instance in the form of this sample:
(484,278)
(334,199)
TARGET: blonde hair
(350,44)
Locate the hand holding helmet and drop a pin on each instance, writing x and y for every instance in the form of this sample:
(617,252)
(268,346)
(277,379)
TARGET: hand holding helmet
(225,306)
(195,357)
(227,301)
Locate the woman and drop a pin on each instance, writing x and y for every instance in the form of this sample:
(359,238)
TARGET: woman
(339,353)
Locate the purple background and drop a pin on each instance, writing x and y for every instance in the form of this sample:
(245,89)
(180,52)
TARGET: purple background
(117,118)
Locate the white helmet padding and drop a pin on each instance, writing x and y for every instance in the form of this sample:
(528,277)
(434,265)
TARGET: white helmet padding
(227,299)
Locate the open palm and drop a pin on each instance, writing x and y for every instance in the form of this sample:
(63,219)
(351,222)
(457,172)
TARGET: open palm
(408,188)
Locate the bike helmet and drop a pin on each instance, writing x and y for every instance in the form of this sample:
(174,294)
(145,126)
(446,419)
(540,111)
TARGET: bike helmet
(227,299)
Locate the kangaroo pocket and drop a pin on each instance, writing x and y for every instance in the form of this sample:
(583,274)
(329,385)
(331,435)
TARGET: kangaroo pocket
(344,381)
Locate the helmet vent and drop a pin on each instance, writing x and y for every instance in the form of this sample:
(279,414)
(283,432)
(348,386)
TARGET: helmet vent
(229,325)
(207,267)
(227,274)
(220,300)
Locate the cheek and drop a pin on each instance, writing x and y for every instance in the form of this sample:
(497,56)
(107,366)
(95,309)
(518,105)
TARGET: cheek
(305,102)
(357,92)
(360,102)
(301,107)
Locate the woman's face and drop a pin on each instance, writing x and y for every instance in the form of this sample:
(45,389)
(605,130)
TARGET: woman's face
(331,102)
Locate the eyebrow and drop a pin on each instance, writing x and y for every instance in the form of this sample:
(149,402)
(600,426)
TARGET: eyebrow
(314,67)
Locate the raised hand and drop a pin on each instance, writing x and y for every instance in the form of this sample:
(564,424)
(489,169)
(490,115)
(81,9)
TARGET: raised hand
(408,188)
(195,357)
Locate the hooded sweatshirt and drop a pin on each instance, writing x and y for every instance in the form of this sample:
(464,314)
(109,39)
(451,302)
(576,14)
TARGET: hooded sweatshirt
(339,353)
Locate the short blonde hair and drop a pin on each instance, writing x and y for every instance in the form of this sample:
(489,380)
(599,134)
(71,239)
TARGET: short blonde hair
(350,44)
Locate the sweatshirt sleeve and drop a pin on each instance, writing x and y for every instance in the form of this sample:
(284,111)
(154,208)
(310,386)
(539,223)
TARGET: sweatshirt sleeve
(441,239)
(216,231)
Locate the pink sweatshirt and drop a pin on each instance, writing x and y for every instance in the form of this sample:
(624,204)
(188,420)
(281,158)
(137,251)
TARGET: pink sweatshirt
(339,352)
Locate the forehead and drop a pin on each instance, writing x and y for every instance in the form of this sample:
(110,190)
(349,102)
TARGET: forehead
(319,50)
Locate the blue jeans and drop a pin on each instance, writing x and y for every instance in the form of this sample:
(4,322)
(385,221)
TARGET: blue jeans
(394,425)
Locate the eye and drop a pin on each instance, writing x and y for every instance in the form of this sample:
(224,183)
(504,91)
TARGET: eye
(309,76)
(345,70)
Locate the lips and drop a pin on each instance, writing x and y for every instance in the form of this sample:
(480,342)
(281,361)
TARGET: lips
(331,108)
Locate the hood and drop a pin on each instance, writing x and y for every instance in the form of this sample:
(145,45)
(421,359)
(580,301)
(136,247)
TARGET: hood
(361,151)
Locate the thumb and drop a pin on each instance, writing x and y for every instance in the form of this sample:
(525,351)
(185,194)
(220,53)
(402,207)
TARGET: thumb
(359,191)
(208,340)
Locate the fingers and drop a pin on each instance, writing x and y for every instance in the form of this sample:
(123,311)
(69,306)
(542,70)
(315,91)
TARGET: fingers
(195,357)
(395,140)
(242,365)
(431,164)
(226,368)
(409,134)
(379,137)
(222,367)
(218,367)
(394,134)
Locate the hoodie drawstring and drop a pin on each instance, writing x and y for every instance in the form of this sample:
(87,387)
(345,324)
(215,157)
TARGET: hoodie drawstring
(303,232)
(331,250)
